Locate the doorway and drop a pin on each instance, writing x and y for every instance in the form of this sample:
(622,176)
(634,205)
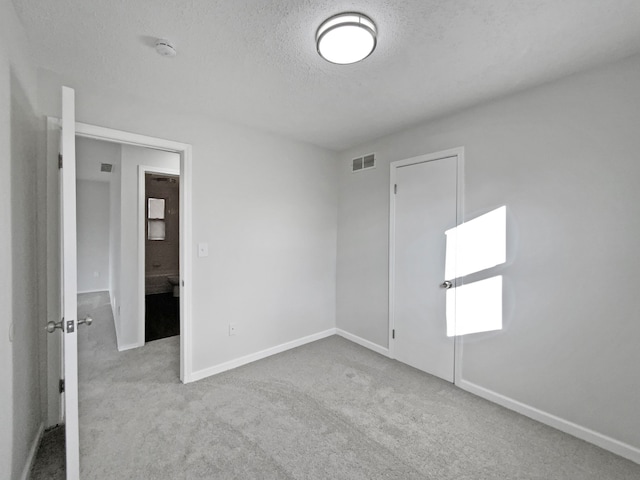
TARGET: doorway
(55,414)
(426,201)
(161,238)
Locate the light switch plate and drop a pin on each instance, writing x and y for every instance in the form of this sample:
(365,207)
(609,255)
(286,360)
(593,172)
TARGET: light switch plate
(203,250)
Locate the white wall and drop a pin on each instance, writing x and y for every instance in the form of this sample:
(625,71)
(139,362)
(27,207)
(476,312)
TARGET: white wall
(96,247)
(91,154)
(564,159)
(93,235)
(21,329)
(266,205)
(129,333)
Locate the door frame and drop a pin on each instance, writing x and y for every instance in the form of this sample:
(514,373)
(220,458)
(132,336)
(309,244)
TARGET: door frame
(53,301)
(142,170)
(457,152)
(184,150)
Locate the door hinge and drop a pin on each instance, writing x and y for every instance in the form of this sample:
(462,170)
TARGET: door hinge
(395,188)
(59,160)
(393,333)
(61,385)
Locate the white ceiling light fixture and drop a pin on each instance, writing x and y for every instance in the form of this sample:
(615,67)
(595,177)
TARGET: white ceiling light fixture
(346,38)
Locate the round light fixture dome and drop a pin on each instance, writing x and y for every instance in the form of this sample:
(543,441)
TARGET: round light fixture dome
(346,38)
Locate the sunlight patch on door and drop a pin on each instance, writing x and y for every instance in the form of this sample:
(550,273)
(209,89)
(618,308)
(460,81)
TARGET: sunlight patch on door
(476,245)
(475,307)
(472,247)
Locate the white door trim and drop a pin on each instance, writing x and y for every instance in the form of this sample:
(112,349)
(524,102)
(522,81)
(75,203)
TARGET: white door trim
(55,407)
(185,151)
(454,152)
(142,170)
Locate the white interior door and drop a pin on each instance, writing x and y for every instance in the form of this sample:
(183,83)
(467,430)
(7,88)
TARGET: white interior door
(424,205)
(69,282)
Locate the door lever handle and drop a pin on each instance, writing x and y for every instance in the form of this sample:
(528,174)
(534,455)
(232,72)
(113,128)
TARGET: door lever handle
(446,285)
(51,326)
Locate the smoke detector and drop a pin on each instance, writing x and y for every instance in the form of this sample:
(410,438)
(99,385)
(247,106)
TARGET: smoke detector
(165,47)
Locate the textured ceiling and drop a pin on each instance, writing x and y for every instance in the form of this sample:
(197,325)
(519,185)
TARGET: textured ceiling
(254,61)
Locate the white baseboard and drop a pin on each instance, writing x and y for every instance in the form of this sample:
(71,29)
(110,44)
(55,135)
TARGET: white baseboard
(129,346)
(619,448)
(100,290)
(26,472)
(362,342)
(238,362)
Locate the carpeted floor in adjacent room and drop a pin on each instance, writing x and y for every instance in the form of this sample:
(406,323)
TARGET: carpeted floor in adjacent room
(327,410)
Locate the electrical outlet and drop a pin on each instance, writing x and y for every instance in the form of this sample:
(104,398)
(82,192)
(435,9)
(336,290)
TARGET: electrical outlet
(233,329)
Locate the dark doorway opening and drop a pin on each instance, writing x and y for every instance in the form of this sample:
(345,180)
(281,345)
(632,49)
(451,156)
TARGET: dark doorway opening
(162,256)
(162,316)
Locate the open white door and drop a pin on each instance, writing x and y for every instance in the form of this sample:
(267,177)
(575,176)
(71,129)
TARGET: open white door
(69,282)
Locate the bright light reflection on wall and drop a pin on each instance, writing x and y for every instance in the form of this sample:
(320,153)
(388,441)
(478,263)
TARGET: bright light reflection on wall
(475,307)
(476,245)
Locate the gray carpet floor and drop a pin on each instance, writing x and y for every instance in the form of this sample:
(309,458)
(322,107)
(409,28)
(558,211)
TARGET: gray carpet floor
(327,410)
(49,461)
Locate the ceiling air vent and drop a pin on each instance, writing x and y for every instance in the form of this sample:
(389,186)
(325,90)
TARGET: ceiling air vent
(363,163)
(106,167)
